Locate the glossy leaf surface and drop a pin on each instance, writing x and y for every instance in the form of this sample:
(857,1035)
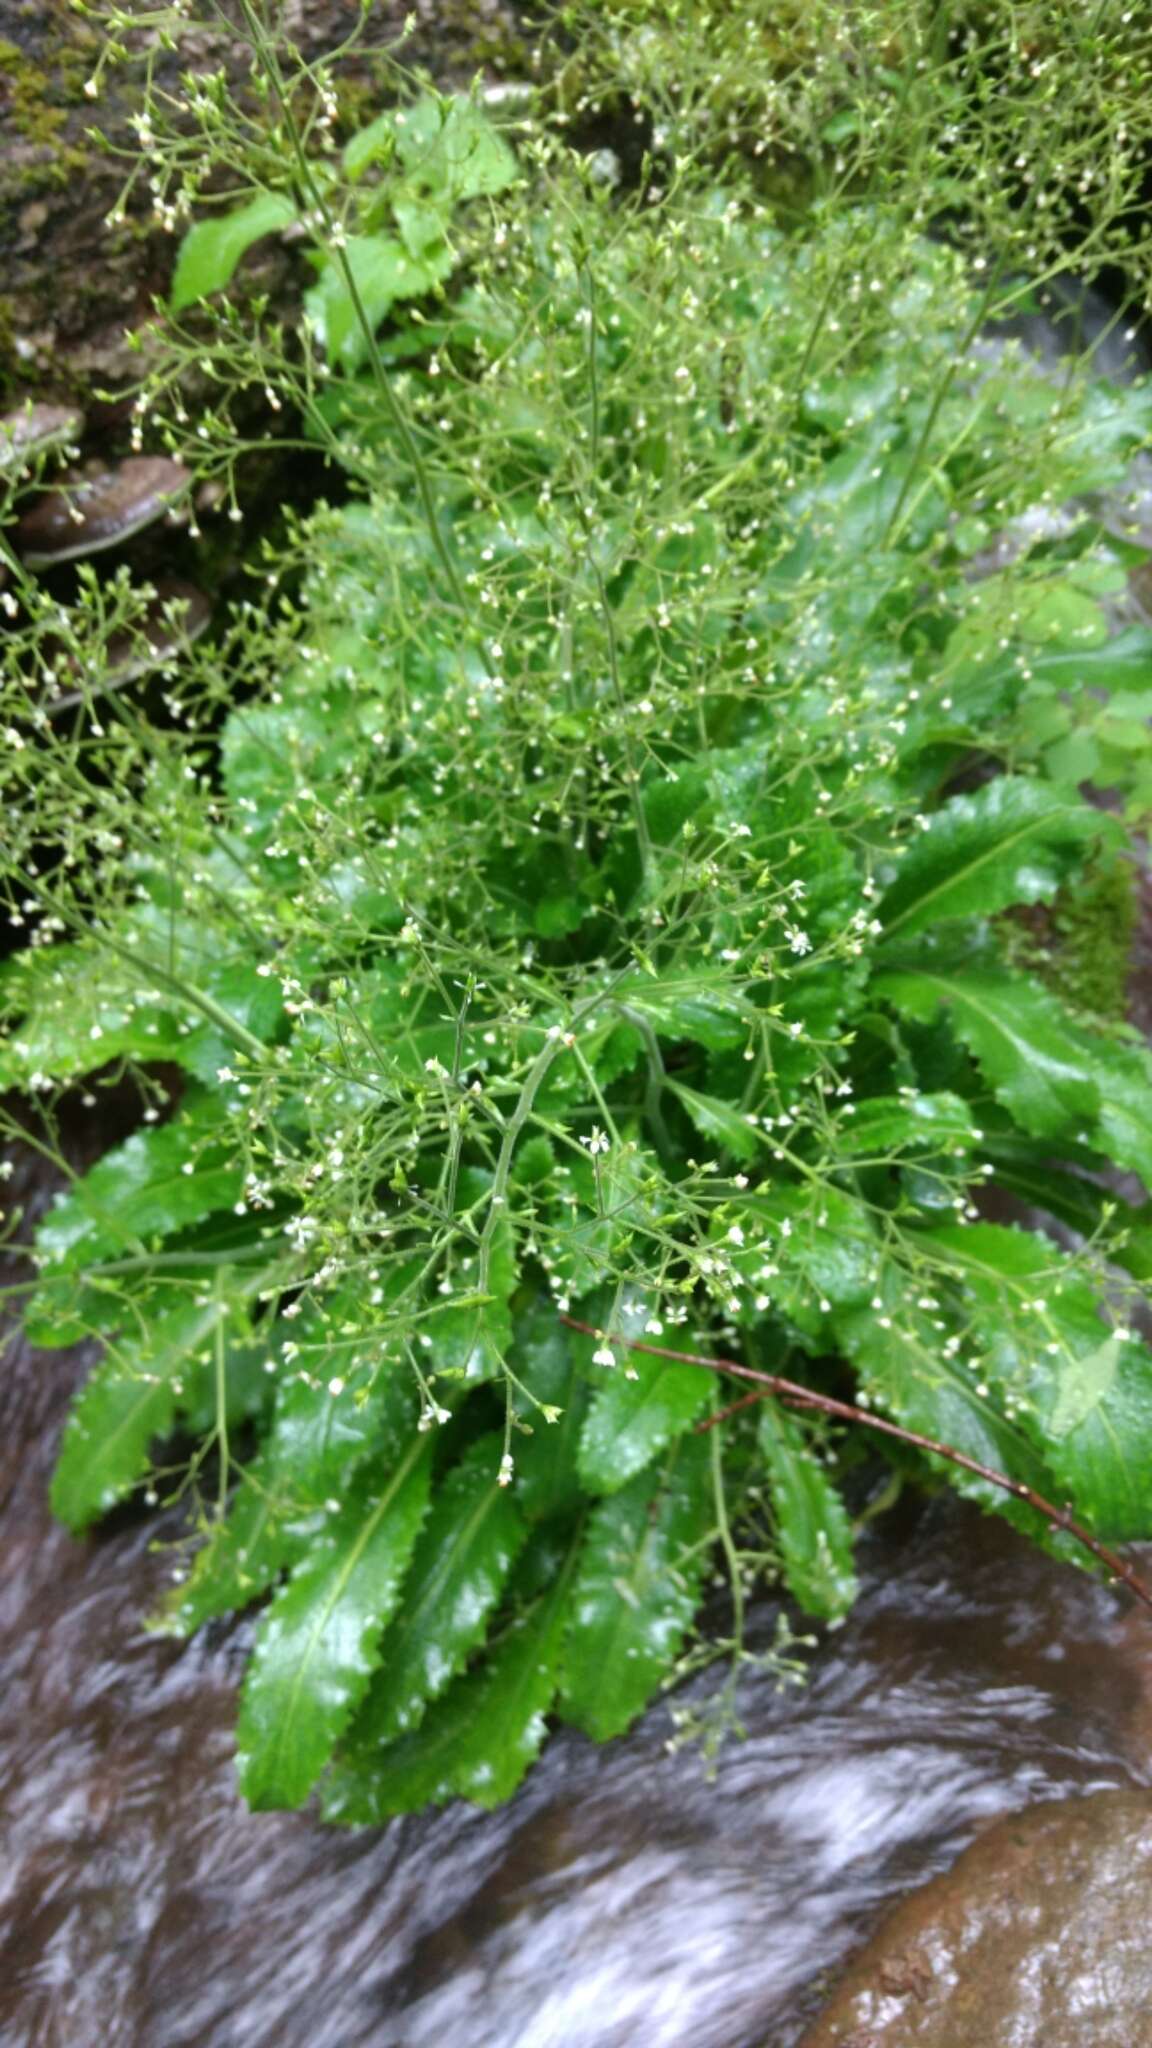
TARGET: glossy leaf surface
(636,1590)
(812,1525)
(318,1642)
(1011,842)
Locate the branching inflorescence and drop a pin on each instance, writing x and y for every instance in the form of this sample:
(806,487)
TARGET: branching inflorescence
(579,891)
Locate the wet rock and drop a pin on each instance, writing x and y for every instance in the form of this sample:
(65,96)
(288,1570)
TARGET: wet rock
(1037,1935)
(35,428)
(90,512)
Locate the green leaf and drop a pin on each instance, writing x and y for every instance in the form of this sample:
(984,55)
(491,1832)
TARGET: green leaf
(316,1435)
(466,1549)
(157,1182)
(904,1370)
(812,1525)
(589,1243)
(316,1441)
(719,1122)
(375,143)
(1059,615)
(211,250)
(1087,1381)
(242,1555)
(129,1400)
(449,147)
(469,1341)
(644,1403)
(1017,1034)
(1085,1393)
(70,1014)
(1026,1168)
(535,1161)
(705,1008)
(446,145)
(885,1125)
(1123,662)
(545,1362)
(637,1590)
(804,1251)
(383,271)
(1057,1078)
(246,1390)
(318,1643)
(1011,842)
(480,1737)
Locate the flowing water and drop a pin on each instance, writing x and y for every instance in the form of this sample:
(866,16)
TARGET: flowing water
(622,1898)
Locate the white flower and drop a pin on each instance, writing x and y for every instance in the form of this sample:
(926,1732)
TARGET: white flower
(598,1142)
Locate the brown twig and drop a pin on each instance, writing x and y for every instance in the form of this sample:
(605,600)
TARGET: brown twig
(770,1385)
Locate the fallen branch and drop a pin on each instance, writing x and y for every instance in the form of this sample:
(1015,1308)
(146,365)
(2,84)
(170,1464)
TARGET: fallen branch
(771,1386)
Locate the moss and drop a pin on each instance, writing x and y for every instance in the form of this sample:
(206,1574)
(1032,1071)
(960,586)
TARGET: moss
(40,93)
(1080,945)
(29,93)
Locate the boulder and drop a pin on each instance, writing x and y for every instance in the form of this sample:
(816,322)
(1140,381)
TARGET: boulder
(1036,1938)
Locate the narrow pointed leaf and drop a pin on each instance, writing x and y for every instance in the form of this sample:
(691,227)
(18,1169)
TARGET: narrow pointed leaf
(71,1017)
(473,1534)
(890,1125)
(706,1008)
(318,1643)
(812,1525)
(547,1477)
(1086,1390)
(637,1589)
(643,1403)
(803,1250)
(903,1369)
(478,1740)
(1057,1078)
(242,1554)
(1016,1033)
(719,1122)
(157,1182)
(317,1440)
(1011,842)
(128,1401)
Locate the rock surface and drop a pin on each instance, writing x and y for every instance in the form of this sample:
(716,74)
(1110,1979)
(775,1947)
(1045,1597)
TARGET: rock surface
(70,285)
(87,513)
(1036,1938)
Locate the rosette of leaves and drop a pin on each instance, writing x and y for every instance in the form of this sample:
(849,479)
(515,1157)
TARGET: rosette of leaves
(616,934)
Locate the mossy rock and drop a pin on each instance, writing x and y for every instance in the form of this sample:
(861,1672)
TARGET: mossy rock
(72,284)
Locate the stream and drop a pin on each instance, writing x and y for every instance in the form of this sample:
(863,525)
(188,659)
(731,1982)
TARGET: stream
(624,1897)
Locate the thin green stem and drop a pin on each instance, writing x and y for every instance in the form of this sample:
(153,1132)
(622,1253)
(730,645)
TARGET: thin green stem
(338,253)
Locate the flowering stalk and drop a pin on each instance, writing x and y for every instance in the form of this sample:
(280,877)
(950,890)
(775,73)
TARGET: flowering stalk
(771,1386)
